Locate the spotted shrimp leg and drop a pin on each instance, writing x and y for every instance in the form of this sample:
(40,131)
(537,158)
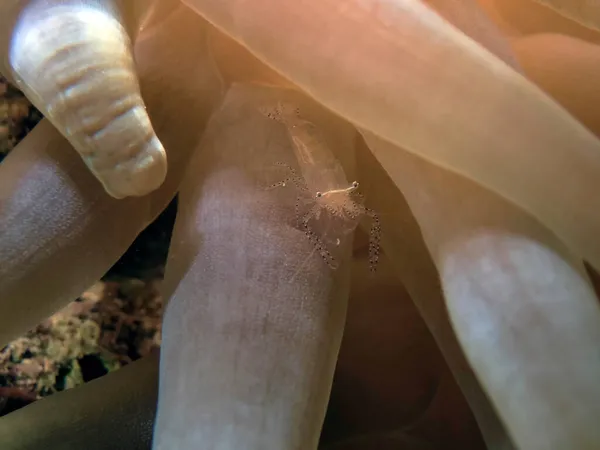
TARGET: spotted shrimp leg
(374,239)
(374,233)
(296,180)
(315,210)
(316,241)
(293,178)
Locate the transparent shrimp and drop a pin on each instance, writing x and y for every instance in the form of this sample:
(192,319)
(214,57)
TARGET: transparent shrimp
(328,208)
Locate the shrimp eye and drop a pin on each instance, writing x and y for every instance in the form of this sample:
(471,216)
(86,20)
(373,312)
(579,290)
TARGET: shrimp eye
(355,184)
(318,195)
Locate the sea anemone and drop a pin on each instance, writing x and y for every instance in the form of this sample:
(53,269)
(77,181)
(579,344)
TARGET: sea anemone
(470,125)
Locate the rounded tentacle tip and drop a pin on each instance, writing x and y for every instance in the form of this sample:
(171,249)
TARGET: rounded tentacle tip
(142,174)
(74,61)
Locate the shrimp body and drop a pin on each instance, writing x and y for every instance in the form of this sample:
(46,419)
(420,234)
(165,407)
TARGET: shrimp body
(327,206)
(320,168)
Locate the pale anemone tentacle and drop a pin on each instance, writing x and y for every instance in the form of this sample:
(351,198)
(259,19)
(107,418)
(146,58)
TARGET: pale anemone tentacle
(119,405)
(73,59)
(418,82)
(52,210)
(567,68)
(403,244)
(262,312)
(469,230)
(525,17)
(586,12)
(512,299)
(473,20)
(518,301)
